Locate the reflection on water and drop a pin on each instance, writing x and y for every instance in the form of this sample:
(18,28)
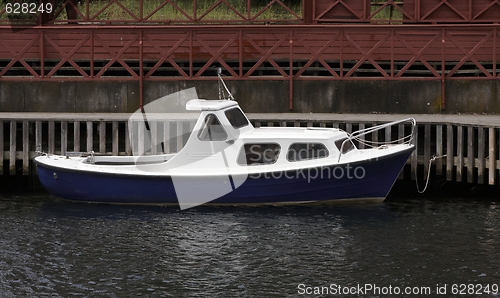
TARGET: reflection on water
(50,247)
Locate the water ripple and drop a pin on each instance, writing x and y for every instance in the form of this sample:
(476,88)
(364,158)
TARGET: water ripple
(55,248)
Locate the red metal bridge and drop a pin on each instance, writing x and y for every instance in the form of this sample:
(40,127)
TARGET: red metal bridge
(312,40)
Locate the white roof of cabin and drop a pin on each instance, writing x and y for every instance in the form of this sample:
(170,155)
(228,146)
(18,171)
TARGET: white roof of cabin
(209,105)
(293,133)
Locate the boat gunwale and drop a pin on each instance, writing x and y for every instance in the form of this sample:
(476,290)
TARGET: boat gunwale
(154,175)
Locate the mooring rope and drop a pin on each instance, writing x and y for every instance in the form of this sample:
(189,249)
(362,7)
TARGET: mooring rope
(428,173)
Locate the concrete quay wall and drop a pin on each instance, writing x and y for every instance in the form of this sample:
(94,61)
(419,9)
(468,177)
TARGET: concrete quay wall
(272,96)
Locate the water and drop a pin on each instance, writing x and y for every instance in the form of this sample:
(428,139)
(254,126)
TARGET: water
(50,247)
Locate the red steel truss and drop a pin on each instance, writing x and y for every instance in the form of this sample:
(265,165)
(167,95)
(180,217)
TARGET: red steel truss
(249,52)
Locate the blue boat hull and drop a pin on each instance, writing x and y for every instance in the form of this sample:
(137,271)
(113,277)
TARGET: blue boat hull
(367,179)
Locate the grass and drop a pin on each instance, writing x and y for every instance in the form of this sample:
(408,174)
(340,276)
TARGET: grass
(169,12)
(387,13)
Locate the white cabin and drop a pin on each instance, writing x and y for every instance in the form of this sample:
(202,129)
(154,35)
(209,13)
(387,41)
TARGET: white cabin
(223,127)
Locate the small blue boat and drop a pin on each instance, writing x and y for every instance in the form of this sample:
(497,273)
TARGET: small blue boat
(228,161)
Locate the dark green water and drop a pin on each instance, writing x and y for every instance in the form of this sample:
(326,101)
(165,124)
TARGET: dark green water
(54,248)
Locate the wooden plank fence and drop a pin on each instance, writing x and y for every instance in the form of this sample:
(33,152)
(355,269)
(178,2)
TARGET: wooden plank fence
(469,152)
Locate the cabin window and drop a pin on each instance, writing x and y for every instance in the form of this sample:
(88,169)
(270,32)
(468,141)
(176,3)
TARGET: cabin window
(236,118)
(306,151)
(212,130)
(348,146)
(259,154)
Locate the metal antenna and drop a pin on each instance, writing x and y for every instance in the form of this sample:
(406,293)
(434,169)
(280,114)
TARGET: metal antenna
(219,74)
(219,87)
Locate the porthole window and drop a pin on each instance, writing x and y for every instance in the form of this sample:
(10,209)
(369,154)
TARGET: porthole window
(212,130)
(259,154)
(306,151)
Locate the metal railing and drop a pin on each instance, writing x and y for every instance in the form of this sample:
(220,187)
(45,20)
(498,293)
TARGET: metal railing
(359,136)
(282,52)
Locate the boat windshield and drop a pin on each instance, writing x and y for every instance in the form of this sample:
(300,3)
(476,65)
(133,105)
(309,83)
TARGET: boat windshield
(236,118)
(212,130)
(163,125)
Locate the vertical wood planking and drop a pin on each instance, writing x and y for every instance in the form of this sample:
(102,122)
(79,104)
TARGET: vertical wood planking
(481,141)
(147,139)
(76,136)
(375,136)
(140,144)
(128,147)
(179,136)
(52,137)
(470,154)
(348,127)
(401,135)
(90,136)
(64,137)
(439,150)
(38,136)
(467,138)
(388,134)
(26,152)
(449,153)
(362,138)
(414,157)
(12,148)
(153,125)
(492,159)
(102,136)
(1,147)
(427,148)
(114,142)
(166,137)
(460,153)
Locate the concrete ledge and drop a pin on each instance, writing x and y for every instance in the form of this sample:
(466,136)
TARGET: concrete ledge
(478,120)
